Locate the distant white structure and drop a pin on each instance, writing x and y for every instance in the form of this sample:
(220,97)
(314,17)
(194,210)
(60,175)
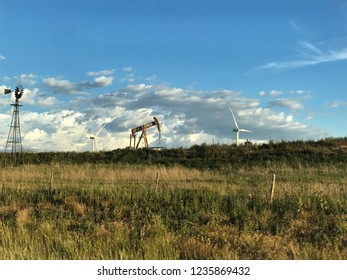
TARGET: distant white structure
(237,129)
(93,137)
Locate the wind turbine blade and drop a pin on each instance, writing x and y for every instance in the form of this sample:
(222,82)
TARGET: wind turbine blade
(234,118)
(96,134)
(245,130)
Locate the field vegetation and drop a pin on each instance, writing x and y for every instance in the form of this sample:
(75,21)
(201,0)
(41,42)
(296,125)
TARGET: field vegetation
(205,202)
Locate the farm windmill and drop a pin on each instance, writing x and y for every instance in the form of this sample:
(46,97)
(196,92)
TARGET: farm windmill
(14,139)
(93,137)
(237,129)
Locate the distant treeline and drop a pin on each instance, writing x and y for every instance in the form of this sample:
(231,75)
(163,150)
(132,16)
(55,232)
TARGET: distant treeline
(216,156)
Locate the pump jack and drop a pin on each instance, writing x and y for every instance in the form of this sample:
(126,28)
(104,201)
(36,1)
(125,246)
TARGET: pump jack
(143,135)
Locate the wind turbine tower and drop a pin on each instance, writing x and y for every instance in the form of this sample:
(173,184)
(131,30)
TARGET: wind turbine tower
(14,139)
(237,129)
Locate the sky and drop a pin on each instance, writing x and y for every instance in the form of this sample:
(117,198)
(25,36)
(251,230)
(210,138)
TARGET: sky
(281,66)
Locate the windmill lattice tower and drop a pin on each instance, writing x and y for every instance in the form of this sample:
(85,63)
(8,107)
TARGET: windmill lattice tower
(14,148)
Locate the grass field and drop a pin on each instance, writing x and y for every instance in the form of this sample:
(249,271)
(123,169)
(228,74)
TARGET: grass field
(140,211)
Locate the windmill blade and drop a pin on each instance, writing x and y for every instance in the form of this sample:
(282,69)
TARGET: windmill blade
(245,130)
(234,118)
(96,134)
(102,127)
(112,119)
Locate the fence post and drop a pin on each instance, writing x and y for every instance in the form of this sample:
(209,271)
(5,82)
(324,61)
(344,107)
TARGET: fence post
(157,181)
(273,188)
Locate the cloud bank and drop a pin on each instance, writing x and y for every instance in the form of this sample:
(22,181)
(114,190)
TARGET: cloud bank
(56,118)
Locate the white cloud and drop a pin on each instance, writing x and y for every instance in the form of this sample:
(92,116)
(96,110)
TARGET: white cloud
(29,96)
(337,103)
(52,131)
(311,47)
(313,58)
(137,88)
(35,135)
(102,81)
(271,93)
(59,86)
(47,101)
(27,79)
(297,92)
(66,87)
(127,69)
(106,72)
(288,103)
(275,92)
(2,57)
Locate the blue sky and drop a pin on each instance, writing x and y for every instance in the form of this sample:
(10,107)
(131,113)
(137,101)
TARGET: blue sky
(280,65)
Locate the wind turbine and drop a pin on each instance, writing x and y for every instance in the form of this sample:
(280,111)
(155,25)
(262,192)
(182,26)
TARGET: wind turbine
(94,136)
(237,129)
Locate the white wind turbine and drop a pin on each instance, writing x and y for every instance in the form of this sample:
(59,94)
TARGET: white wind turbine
(237,129)
(94,136)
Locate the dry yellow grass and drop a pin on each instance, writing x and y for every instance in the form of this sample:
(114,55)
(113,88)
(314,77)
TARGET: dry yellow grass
(122,211)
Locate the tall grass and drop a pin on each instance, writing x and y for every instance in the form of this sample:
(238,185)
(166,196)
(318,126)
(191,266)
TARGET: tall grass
(114,211)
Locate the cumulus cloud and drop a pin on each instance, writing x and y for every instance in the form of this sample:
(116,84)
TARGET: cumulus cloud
(29,95)
(35,135)
(58,85)
(2,57)
(187,116)
(187,113)
(52,131)
(67,87)
(102,81)
(47,101)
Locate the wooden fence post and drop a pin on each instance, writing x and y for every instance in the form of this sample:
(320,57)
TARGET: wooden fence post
(273,188)
(157,181)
